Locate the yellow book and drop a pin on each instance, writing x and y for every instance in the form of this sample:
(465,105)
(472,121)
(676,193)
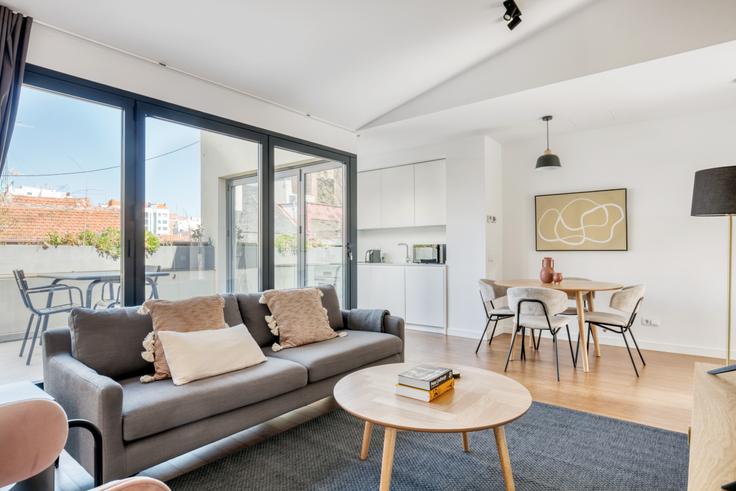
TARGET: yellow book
(425,395)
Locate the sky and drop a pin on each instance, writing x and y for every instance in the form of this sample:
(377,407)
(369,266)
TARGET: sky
(59,134)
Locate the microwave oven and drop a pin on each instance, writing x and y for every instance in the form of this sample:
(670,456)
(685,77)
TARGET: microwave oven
(430,253)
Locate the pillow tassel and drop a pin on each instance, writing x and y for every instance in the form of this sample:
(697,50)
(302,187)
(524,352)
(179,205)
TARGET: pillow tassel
(147,378)
(276,347)
(148,354)
(272,325)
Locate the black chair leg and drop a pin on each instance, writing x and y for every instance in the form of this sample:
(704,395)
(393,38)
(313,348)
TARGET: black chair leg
(572,354)
(536,341)
(628,350)
(482,336)
(522,355)
(631,333)
(511,349)
(33,341)
(25,338)
(493,332)
(557,357)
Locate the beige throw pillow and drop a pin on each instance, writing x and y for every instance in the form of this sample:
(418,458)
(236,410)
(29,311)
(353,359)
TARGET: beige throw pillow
(192,314)
(297,317)
(201,354)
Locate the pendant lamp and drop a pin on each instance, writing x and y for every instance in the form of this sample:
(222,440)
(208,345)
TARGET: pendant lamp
(548,160)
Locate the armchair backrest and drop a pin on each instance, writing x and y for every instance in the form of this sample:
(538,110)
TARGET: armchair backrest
(554,301)
(628,299)
(33,433)
(491,293)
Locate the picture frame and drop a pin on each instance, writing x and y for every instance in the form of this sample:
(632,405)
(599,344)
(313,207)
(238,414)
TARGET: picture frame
(582,221)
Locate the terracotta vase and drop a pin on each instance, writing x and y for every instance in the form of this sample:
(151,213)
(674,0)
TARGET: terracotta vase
(548,270)
(557,278)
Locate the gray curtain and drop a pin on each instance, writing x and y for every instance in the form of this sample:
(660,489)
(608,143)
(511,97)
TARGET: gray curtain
(15,29)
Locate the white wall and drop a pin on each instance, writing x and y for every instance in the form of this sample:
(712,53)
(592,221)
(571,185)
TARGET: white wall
(681,259)
(74,56)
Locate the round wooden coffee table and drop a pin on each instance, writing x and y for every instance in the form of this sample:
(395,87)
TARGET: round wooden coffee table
(480,400)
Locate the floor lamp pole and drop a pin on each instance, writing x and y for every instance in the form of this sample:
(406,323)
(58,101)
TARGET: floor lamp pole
(728,367)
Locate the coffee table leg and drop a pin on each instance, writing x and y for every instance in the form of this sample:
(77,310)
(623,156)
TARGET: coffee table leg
(466,442)
(367,431)
(389,442)
(503,455)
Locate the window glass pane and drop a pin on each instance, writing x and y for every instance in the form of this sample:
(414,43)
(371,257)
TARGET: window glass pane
(309,233)
(187,172)
(59,216)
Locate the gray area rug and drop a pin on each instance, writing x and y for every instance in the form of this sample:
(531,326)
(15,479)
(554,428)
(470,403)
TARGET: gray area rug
(550,448)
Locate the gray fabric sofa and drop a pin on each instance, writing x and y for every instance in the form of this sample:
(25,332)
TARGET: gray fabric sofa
(93,367)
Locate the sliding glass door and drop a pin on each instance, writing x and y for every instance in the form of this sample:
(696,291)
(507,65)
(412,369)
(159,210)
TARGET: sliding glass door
(201,214)
(309,236)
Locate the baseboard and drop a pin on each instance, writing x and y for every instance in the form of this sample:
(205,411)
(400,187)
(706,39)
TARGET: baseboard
(416,327)
(610,339)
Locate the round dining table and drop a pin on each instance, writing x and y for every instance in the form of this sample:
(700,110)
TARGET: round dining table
(579,289)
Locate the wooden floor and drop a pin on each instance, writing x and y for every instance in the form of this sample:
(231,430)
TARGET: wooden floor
(661,397)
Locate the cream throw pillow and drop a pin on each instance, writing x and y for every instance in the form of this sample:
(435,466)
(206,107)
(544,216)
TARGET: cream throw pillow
(201,354)
(297,317)
(191,314)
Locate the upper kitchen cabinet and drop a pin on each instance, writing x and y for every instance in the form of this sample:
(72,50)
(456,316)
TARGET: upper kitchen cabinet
(404,196)
(369,199)
(397,196)
(430,195)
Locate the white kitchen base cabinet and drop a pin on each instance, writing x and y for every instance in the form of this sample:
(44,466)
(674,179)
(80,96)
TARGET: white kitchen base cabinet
(425,296)
(416,292)
(382,287)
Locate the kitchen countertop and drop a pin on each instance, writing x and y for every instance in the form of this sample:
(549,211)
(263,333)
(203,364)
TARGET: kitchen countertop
(433,265)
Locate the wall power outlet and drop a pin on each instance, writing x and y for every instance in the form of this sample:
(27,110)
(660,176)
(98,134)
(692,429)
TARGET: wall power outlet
(648,321)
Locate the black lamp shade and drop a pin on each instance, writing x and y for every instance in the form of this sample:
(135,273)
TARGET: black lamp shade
(714,192)
(548,161)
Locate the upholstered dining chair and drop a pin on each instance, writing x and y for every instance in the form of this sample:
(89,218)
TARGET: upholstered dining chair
(494,305)
(627,301)
(539,309)
(33,433)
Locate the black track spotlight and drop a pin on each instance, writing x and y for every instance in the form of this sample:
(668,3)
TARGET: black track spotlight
(512,14)
(514,22)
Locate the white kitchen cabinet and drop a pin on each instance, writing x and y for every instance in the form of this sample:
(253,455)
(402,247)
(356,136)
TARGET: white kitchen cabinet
(382,287)
(430,196)
(369,199)
(397,196)
(426,303)
(418,293)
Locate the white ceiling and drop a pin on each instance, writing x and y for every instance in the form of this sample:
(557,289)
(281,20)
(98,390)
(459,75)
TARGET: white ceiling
(695,81)
(345,61)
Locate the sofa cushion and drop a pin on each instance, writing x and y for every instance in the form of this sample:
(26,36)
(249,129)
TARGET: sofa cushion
(342,354)
(254,317)
(159,406)
(332,304)
(254,314)
(231,311)
(109,340)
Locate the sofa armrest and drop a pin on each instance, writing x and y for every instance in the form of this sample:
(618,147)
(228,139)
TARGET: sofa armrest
(85,394)
(391,325)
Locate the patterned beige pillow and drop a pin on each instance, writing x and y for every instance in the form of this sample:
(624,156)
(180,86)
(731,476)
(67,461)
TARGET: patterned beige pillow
(192,314)
(297,317)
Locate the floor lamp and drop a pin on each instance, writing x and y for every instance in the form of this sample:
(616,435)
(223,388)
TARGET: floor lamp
(714,194)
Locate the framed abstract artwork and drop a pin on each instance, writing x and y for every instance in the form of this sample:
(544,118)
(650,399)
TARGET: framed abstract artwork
(587,221)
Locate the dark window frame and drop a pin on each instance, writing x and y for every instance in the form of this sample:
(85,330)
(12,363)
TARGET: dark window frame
(136,108)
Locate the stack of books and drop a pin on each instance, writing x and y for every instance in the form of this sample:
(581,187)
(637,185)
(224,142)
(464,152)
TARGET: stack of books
(425,383)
